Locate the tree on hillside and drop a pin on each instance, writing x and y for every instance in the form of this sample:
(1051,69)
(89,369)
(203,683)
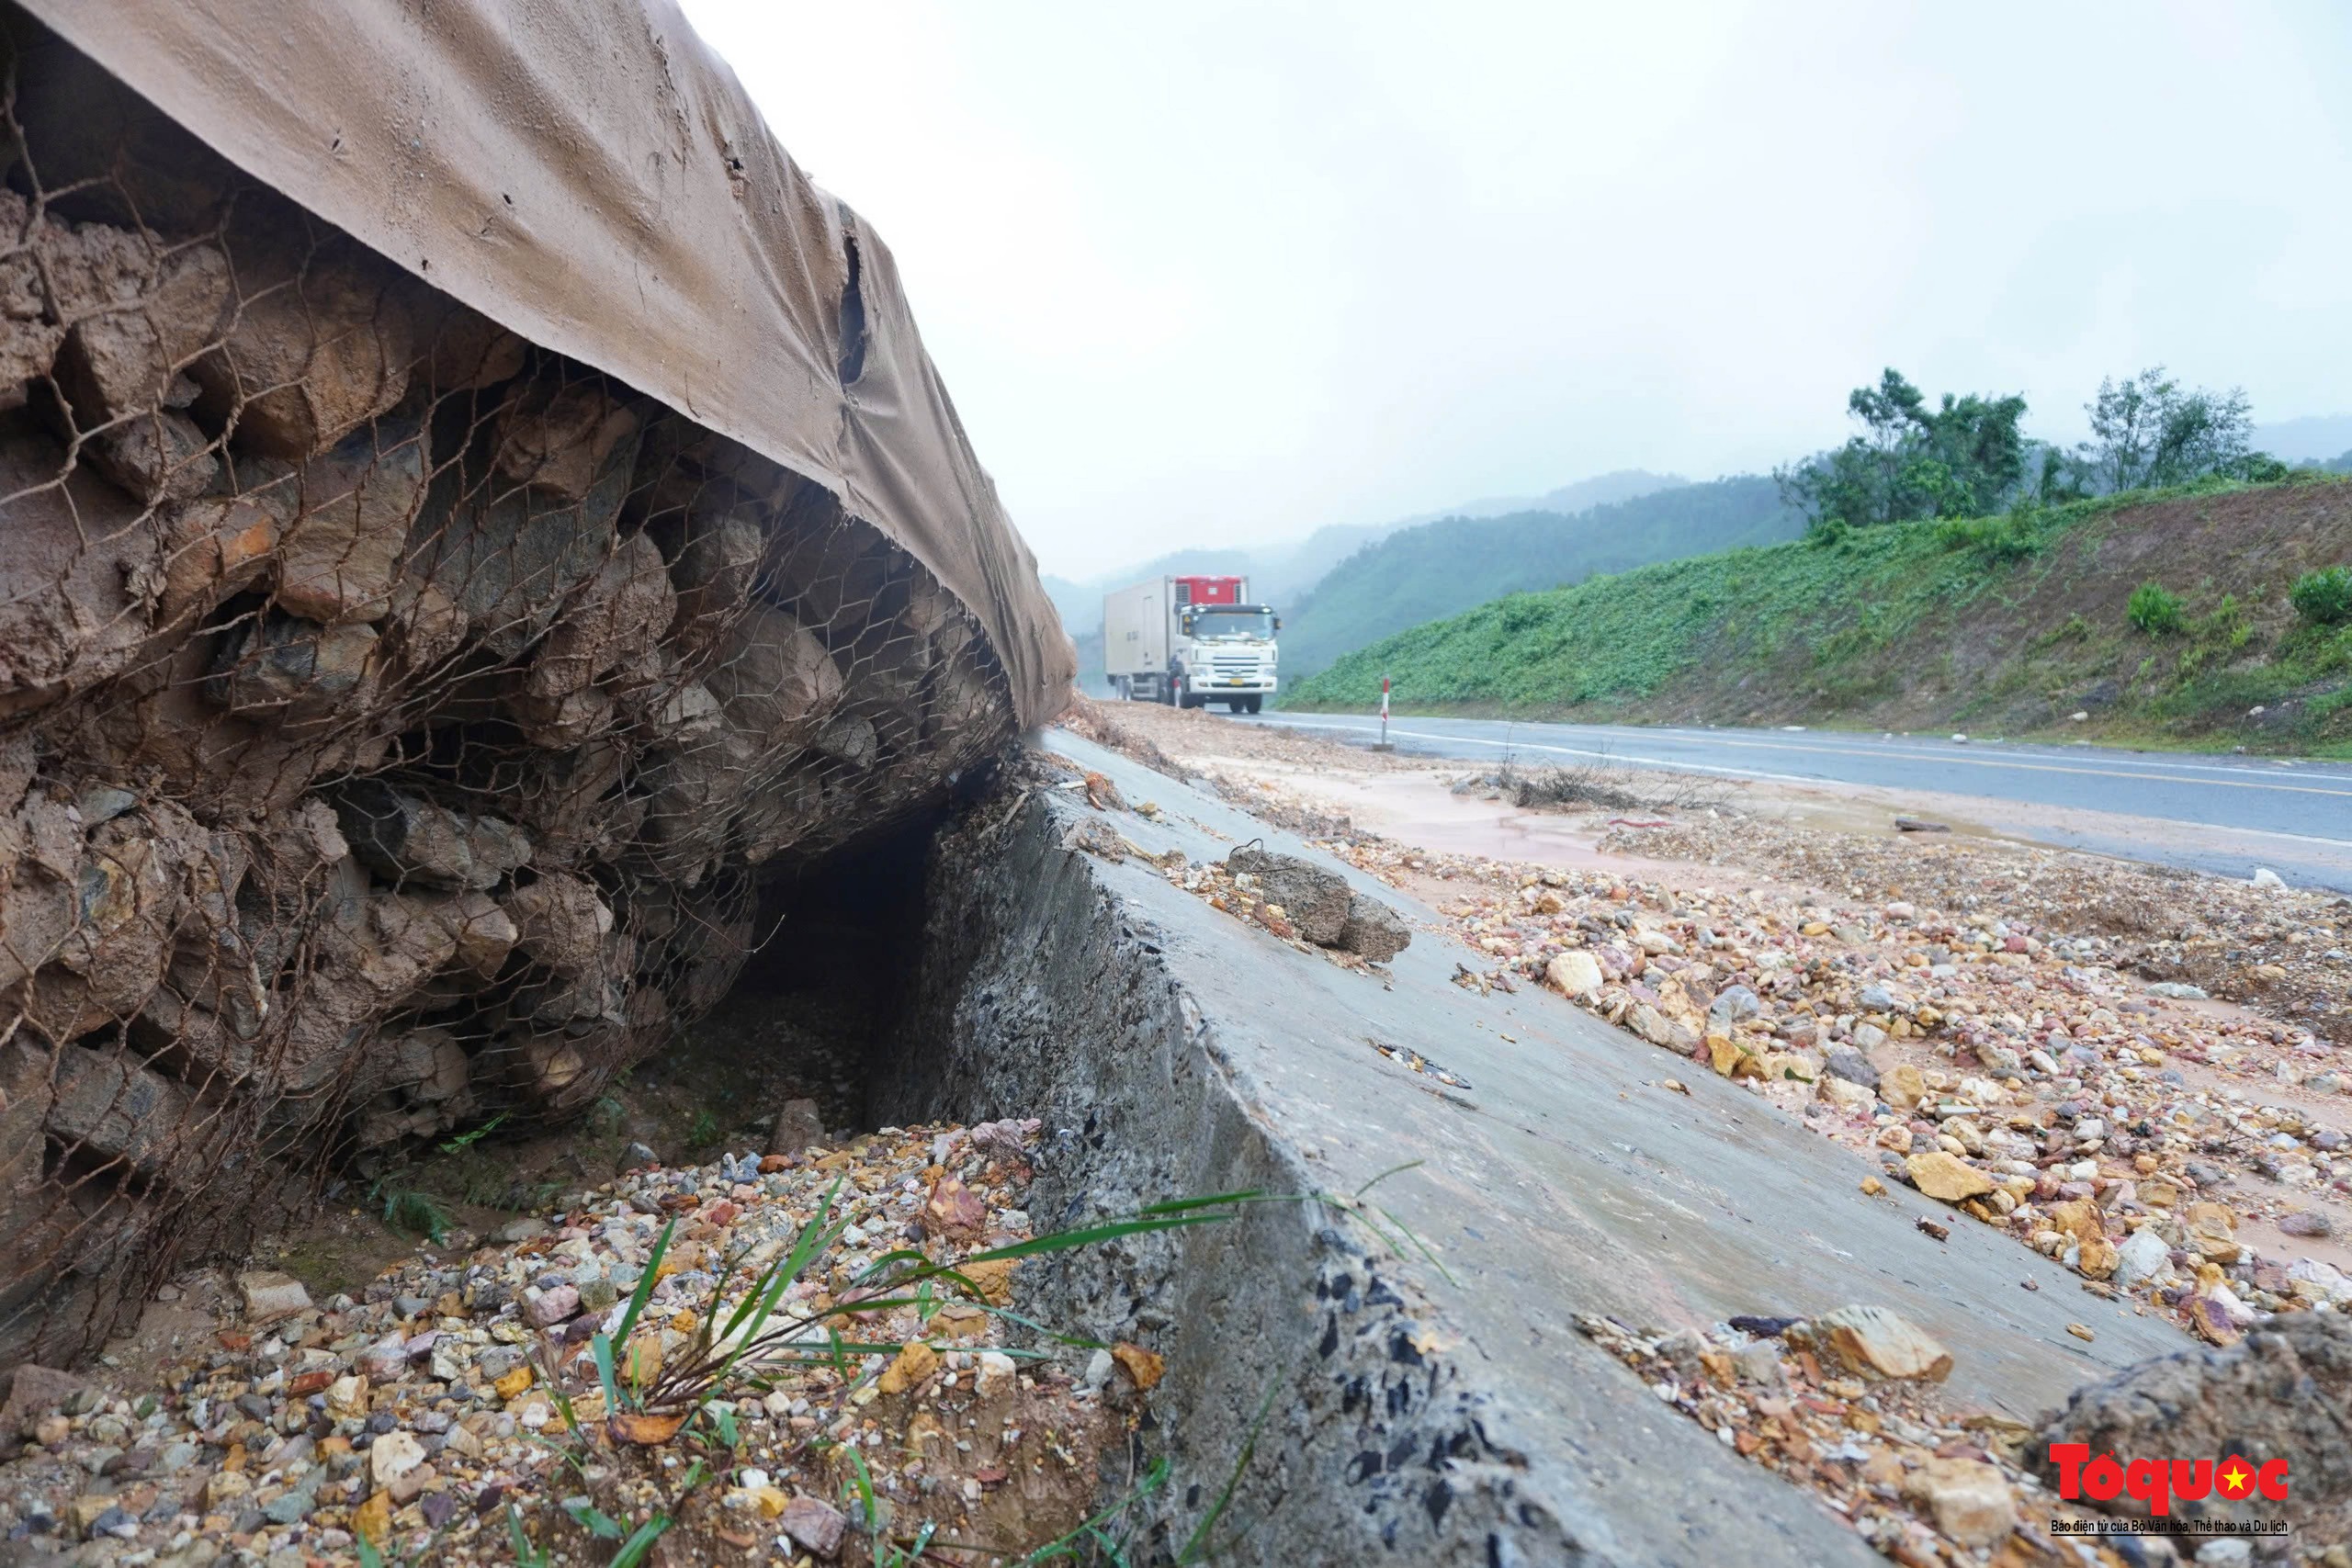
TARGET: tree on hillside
(2149,430)
(1961,458)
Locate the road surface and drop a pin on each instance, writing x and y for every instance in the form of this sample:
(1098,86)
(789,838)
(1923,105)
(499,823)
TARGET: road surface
(2224,815)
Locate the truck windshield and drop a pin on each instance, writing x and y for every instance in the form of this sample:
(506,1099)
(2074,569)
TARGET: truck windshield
(1237,622)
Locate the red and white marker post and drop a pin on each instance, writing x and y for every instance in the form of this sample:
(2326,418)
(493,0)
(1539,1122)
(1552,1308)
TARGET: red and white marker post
(1384,712)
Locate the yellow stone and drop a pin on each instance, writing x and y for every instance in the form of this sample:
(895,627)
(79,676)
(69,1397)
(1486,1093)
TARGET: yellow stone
(514,1382)
(1723,1054)
(373,1519)
(993,1280)
(1882,1344)
(1814,927)
(914,1363)
(2212,1230)
(1946,1177)
(1872,1186)
(1903,1087)
(2097,1258)
(2078,1217)
(641,1360)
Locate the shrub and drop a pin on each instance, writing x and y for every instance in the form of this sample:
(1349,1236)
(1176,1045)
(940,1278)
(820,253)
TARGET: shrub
(2154,611)
(2324,597)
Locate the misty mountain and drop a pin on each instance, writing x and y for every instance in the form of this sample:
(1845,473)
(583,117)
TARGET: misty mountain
(1440,569)
(1283,573)
(1623,484)
(2315,438)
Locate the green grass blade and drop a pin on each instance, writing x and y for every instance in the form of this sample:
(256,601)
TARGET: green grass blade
(602,1348)
(525,1553)
(1197,1542)
(1215,1200)
(1423,1250)
(594,1520)
(644,1291)
(633,1550)
(814,1239)
(1092,1533)
(1064,1241)
(1392,1170)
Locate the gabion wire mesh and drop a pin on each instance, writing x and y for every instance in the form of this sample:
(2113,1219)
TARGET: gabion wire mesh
(396,717)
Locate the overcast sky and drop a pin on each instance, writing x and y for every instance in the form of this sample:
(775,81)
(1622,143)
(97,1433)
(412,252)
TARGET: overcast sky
(1224,273)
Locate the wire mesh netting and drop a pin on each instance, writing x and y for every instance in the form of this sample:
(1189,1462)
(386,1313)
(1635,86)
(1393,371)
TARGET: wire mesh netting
(396,719)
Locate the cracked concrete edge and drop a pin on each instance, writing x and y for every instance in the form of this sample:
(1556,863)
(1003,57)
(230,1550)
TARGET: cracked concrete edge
(1311,1372)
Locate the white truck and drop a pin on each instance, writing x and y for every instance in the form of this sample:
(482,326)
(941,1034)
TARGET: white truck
(1190,641)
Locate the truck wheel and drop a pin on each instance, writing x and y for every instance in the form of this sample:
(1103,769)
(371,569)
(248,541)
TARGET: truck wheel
(1254,704)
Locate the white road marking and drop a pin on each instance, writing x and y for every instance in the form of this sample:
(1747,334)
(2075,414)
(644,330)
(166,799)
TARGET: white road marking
(1676,764)
(2135,769)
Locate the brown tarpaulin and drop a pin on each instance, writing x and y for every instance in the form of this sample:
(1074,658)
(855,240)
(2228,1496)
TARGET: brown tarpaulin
(590,175)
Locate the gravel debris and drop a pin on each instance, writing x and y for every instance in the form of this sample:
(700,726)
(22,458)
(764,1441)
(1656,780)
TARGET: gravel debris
(1921,1480)
(427,1414)
(2024,1036)
(2010,1068)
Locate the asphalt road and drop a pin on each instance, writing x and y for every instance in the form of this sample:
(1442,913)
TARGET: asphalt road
(2232,814)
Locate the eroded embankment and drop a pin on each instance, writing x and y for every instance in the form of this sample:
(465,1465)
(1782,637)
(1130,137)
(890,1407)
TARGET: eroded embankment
(399,719)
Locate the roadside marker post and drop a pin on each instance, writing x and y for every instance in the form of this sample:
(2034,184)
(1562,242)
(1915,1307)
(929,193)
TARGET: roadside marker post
(1383,745)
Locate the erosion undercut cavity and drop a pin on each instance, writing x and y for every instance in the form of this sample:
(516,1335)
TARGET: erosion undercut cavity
(824,1001)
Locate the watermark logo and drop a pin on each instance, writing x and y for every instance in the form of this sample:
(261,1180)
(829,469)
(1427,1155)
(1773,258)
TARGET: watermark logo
(2158,1482)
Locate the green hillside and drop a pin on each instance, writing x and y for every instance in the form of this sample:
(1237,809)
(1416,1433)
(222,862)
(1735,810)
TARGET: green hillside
(2010,624)
(1437,568)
